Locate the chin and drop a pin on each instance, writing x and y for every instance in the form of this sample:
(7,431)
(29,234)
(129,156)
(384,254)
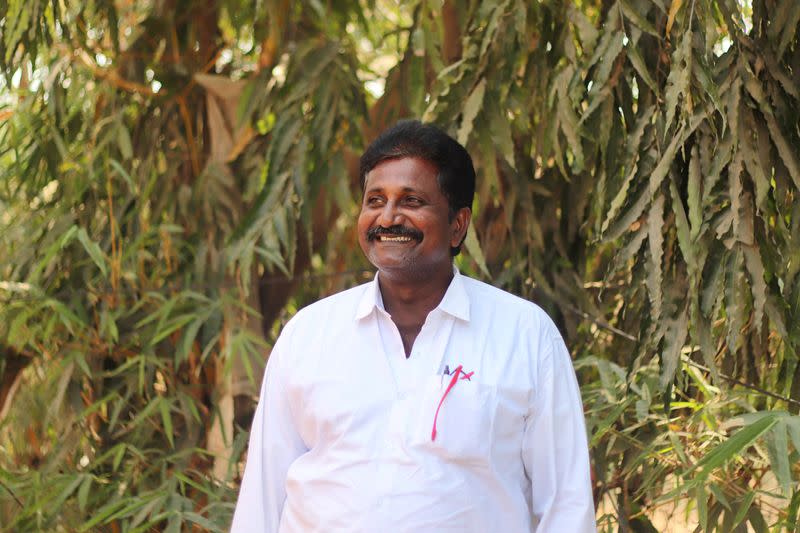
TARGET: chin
(392,266)
(406,270)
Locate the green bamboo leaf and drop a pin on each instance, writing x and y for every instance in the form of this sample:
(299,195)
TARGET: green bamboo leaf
(80,359)
(188,407)
(700,329)
(636,59)
(744,506)
(638,19)
(17,20)
(200,521)
(735,193)
(18,332)
(727,450)
(694,194)
(624,222)
(701,498)
(606,39)
(108,326)
(83,492)
(281,220)
(619,199)
(168,327)
(150,509)
(667,159)
(676,443)
(655,239)
(788,82)
(778,451)
(685,242)
(674,341)
(69,319)
(500,129)
(609,420)
(474,248)
(775,314)
(600,91)
(471,109)
(284,137)
(631,247)
(722,154)
(720,496)
(704,77)
(633,147)
(290,249)
(187,338)
(102,515)
(124,141)
(752,162)
(145,413)
(785,150)
(520,10)
(789,14)
(192,483)
(784,147)
(678,79)
(166,417)
(93,250)
(793,428)
(309,65)
(67,491)
(587,33)
(734,303)
(124,173)
(793,512)
(758,286)
(756,520)
(60,144)
(133,505)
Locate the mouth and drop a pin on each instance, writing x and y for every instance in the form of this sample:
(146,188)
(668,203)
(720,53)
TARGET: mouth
(393,234)
(389,238)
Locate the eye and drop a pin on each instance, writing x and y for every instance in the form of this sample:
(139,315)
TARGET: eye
(373,200)
(413,200)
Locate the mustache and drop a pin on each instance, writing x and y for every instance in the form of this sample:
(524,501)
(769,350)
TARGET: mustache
(394,231)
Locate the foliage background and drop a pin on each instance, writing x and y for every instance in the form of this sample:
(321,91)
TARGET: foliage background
(177,177)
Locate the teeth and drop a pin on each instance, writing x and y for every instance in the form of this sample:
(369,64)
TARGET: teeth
(394,239)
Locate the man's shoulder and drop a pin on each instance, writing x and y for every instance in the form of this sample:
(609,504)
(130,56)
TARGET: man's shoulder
(493,302)
(342,303)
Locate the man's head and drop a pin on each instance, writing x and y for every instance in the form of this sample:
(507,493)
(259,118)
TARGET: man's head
(412,138)
(418,187)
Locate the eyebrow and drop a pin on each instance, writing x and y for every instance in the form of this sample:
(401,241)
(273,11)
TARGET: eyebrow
(405,190)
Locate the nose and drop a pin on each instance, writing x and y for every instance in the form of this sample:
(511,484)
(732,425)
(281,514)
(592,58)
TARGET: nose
(390,215)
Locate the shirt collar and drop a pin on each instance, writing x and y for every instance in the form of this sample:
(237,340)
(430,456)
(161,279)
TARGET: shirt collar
(455,301)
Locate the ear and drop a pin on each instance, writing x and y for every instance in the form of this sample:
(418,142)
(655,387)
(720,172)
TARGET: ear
(459,226)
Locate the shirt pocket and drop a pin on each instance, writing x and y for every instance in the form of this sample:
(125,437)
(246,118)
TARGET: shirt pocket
(464,423)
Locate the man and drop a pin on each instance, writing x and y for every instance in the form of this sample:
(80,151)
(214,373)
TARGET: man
(425,400)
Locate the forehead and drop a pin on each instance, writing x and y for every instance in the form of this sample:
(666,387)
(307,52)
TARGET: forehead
(405,172)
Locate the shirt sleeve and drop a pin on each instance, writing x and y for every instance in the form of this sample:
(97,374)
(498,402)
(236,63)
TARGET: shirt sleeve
(555,450)
(274,445)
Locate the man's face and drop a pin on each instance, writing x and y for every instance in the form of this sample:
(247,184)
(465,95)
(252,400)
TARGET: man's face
(404,227)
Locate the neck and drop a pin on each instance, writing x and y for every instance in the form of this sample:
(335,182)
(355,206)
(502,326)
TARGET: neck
(410,301)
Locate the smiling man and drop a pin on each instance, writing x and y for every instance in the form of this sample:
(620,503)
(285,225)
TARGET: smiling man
(423,401)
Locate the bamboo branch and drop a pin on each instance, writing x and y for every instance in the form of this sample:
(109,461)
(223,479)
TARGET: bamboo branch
(187,124)
(111,76)
(8,489)
(605,325)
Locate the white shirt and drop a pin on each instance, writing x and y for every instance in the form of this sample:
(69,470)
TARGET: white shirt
(342,435)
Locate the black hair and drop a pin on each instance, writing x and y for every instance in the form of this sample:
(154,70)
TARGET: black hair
(412,138)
